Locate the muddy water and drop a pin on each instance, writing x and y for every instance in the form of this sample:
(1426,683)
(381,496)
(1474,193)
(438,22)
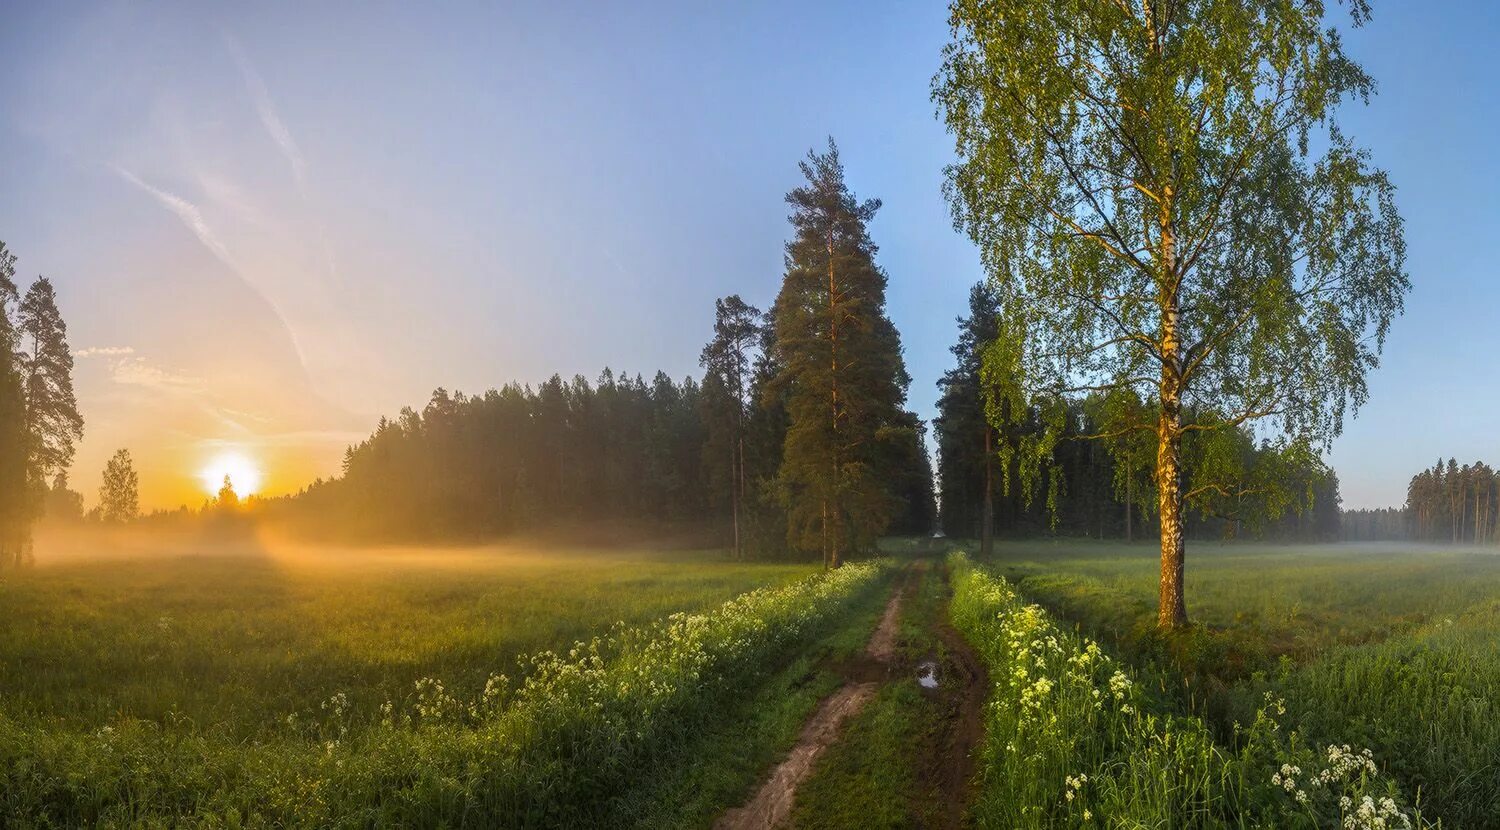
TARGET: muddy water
(927,674)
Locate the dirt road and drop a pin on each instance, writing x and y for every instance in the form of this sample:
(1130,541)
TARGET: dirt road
(952,682)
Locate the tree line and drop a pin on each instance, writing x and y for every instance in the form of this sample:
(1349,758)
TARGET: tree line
(1451,502)
(796,437)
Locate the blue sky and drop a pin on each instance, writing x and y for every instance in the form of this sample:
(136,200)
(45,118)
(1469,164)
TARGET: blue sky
(273,224)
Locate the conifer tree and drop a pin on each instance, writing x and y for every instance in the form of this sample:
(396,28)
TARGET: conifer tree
(17,507)
(966,440)
(227,498)
(728,359)
(46,364)
(841,367)
(61,502)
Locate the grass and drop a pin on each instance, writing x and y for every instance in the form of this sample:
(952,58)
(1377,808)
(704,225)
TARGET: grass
(1382,646)
(235,644)
(868,778)
(576,737)
(1072,739)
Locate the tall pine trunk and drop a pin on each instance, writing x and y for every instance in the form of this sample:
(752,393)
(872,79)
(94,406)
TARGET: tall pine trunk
(735,483)
(833,382)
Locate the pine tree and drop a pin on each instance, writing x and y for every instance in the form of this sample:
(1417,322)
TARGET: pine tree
(46,365)
(966,441)
(227,499)
(119,499)
(61,503)
(728,359)
(841,368)
(17,506)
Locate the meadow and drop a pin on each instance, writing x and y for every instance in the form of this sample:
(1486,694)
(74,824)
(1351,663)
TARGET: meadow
(1386,647)
(279,684)
(236,637)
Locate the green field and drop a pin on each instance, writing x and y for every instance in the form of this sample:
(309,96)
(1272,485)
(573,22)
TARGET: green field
(237,642)
(280,685)
(1387,647)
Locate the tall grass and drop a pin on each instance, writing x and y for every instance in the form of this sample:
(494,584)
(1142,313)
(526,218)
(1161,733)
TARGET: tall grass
(1391,648)
(1072,740)
(559,750)
(1425,700)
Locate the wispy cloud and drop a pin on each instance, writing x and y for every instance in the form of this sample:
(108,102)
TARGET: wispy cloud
(281,135)
(138,371)
(188,212)
(260,96)
(104,351)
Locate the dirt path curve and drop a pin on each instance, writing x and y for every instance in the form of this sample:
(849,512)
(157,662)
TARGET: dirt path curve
(771,807)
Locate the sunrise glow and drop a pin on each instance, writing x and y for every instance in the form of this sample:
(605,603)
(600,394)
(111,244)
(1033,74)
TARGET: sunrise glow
(243,472)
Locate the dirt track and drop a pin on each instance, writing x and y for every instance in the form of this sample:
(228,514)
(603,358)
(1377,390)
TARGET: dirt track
(944,756)
(947,765)
(771,806)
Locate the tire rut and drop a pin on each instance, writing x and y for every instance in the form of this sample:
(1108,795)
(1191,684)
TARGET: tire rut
(771,806)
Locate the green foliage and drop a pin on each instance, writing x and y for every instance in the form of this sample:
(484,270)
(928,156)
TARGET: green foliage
(515,459)
(1142,185)
(46,364)
(17,508)
(1455,503)
(965,456)
(728,360)
(119,495)
(60,503)
(1084,485)
(840,367)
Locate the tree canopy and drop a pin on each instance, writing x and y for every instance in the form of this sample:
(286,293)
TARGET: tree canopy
(1169,209)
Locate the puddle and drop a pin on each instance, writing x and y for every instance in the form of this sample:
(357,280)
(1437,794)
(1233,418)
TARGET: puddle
(927,674)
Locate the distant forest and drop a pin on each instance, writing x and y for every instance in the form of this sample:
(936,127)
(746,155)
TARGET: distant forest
(795,438)
(1452,503)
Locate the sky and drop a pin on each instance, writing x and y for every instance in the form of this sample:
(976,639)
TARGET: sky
(270,224)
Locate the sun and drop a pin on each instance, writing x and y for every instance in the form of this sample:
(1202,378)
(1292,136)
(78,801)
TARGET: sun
(242,471)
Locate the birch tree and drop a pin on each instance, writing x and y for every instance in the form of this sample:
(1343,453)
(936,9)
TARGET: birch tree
(1163,195)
